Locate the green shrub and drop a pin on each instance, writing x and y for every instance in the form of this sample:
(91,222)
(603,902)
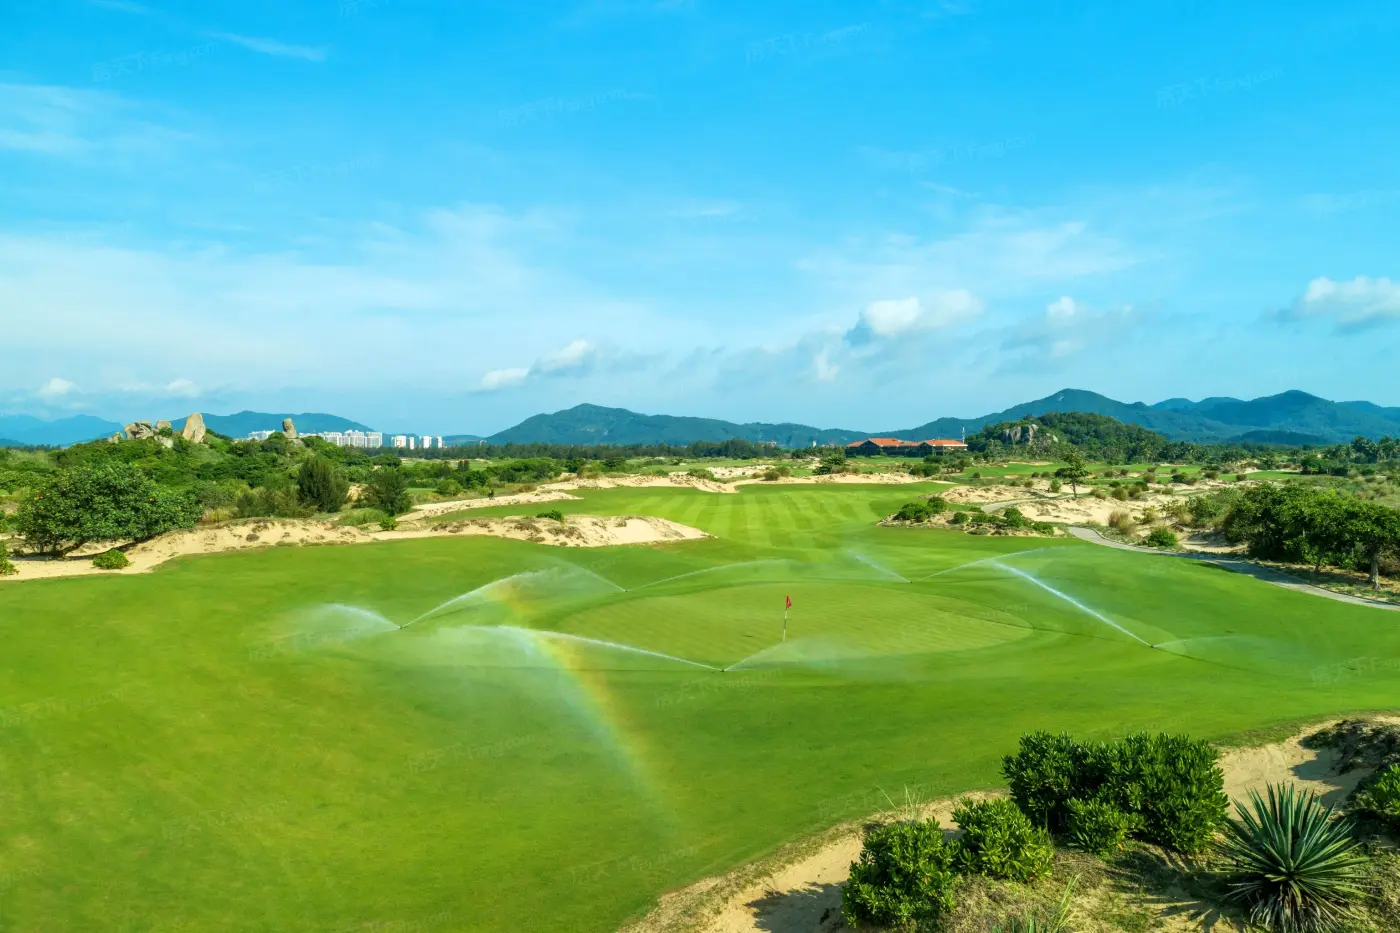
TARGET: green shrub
(912,512)
(111,560)
(321,485)
(1161,538)
(1042,776)
(1170,787)
(1379,800)
(554,514)
(903,879)
(999,841)
(700,473)
(388,523)
(7,566)
(1097,826)
(357,518)
(1044,528)
(1291,864)
(959,518)
(1012,518)
(936,505)
(1056,485)
(448,486)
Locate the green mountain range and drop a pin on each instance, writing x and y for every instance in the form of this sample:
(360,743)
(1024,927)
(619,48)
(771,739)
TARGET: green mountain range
(242,423)
(1292,417)
(1288,418)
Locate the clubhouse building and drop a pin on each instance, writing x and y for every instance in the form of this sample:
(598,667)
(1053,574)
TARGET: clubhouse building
(893,447)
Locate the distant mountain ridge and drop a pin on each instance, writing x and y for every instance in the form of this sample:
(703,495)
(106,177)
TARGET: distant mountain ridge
(241,424)
(594,424)
(25,430)
(1291,417)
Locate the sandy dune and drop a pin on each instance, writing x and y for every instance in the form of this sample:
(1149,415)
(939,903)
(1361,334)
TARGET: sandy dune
(577,531)
(798,890)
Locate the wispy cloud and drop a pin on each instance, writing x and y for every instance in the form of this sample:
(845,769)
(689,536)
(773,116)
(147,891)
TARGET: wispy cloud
(896,317)
(1360,302)
(275,47)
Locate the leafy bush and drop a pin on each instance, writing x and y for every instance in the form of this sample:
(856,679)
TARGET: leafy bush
(1055,485)
(1169,787)
(1379,799)
(321,485)
(903,879)
(1161,538)
(265,502)
(111,501)
(1121,521)
(912,512)
(448,487)
(387,490)
(999,841)
(7,566)
(1290,863)
(936,505)
(959,518)
(701,473)
(388,523)
(1044,528)
(1012,518)
(1097,826)
(111,560)
(554,514)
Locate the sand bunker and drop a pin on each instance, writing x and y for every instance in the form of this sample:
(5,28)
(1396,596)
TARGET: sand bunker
(576,531)
(798,890)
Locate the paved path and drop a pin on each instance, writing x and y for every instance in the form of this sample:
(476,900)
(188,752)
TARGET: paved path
(1238,565)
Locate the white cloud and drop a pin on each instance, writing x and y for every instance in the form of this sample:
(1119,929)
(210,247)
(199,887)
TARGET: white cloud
(1063,309)
(55,388)
(573,357)
(1355,303)
(181,388)
(273,46)
(825,369)
(897,316)
(502,378)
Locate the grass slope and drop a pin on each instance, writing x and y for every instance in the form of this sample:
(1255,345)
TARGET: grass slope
(216,746)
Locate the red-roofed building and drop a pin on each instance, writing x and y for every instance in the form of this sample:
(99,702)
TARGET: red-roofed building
(873,446)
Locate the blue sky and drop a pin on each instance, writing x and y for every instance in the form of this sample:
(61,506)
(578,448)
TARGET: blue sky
(457,214)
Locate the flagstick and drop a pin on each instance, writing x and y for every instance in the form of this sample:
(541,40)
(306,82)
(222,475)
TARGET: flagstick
(785,612)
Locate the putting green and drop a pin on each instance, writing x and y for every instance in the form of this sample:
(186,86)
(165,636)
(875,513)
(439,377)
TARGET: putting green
(252,741)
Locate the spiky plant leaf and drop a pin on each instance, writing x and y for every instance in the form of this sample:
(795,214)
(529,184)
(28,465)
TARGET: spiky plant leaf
(1295,867)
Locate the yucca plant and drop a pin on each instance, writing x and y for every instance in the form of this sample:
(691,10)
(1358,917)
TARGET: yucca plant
(1296,868)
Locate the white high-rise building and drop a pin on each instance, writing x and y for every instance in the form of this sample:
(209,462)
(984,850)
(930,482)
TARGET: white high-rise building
(411,440)
(439,441)
(400,440)
(374,439)
(427,441)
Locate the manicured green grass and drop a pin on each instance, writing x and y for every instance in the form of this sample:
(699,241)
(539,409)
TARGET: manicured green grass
(216,747)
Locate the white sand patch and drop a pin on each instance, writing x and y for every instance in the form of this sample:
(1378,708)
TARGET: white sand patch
(576,531)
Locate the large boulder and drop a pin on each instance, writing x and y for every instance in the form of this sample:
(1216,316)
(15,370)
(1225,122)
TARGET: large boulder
(194,429)
(289,430)
(139,429)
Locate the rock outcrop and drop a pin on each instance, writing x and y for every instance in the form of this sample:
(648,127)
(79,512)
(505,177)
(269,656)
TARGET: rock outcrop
(194,429)
(289,430)
(164,426)
(139,429)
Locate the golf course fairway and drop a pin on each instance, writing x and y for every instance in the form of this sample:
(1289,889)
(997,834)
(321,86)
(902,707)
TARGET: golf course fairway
(481,734)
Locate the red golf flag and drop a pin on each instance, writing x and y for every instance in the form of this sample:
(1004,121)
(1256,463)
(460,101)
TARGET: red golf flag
(788,600)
